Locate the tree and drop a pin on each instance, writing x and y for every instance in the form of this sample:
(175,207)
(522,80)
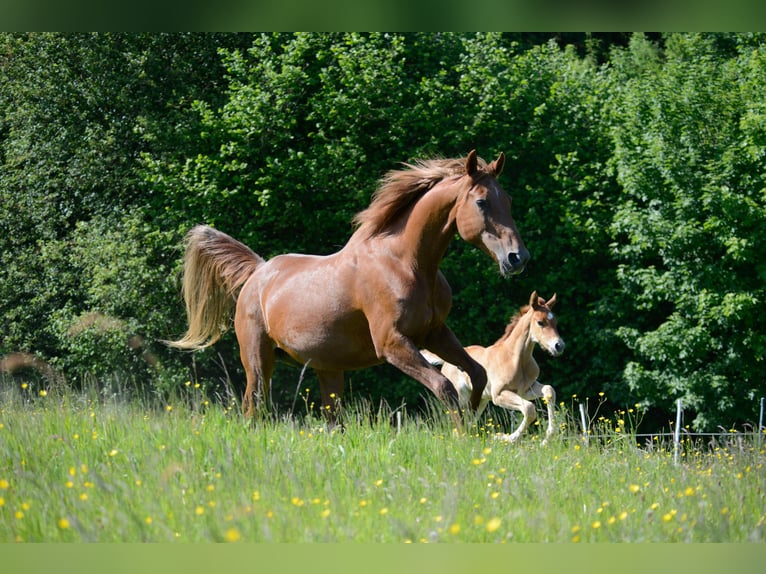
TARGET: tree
(77,110)
(689,133)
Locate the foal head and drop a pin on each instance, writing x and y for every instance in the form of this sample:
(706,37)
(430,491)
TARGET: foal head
(543,326)
(484,216)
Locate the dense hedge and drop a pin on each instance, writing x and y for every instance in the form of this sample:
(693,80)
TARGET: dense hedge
(636,166)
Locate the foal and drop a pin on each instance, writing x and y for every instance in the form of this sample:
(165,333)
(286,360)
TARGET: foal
(511,369)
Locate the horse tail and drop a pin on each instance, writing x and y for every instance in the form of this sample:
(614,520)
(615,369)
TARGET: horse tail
(215,267)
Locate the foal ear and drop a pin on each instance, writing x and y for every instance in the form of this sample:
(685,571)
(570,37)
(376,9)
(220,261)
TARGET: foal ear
(471,163)
(496,167)
(551,301)
(533,302)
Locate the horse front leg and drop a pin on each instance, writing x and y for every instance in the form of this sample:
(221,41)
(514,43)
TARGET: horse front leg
(548,394)
(511,401)
(446,345)
(402,353)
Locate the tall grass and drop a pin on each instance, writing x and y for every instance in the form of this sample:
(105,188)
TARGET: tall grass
(77,467)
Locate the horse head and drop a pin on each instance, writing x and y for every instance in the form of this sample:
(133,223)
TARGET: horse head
(484,216)
(543,326)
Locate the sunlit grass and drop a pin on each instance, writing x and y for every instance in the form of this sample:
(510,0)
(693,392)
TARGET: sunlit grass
(77,468)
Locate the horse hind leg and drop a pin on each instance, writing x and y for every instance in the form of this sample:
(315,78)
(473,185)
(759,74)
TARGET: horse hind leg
(258,358)
(256,397)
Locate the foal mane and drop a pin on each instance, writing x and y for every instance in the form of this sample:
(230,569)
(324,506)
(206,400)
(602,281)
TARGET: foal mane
(512,323)
(516,319)
(399,189)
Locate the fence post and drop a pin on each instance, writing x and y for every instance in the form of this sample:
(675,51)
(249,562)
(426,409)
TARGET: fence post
(677,432)
(584,423)
(760,424)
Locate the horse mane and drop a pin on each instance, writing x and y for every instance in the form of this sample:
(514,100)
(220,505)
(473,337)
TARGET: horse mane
(399,189)
(512,323)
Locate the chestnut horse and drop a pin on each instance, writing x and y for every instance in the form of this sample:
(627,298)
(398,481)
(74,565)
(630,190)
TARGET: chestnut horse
(379,298)
(511,368)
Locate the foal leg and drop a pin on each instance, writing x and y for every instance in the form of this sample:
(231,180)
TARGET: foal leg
(548,394)
(511,401)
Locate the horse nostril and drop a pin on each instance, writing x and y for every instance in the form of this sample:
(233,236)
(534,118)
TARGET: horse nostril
(559,346)
(518,260)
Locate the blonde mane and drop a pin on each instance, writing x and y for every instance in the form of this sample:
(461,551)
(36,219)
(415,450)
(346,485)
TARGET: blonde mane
(512,323)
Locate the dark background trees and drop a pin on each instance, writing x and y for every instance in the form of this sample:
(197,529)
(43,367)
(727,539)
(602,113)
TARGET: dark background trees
(635,163)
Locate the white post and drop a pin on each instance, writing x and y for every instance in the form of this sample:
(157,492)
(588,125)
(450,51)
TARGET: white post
(760,424)
(398,422)
(584,423)
(677,432)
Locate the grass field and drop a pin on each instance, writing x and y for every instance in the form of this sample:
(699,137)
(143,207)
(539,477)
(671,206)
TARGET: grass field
(77,468)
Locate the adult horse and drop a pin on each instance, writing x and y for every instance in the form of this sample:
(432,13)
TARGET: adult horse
(380,298)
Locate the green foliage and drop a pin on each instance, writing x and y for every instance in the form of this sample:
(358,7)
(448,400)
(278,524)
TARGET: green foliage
(688,135)
(74,233)
(634,163)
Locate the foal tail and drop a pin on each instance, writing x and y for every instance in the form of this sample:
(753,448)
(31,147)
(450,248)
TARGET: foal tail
(435,360)
(215,267)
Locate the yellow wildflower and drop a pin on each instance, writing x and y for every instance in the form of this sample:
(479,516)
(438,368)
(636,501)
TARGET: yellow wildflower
(493,524)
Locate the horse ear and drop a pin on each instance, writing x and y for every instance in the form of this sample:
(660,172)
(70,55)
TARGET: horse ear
(471,163)
(533,300)
(496,167)
(551,301)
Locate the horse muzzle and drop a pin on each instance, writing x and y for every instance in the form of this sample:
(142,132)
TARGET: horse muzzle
(515,262)
(557,347)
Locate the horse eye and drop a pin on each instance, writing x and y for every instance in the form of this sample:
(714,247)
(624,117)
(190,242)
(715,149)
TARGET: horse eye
(541,323)
(482,203)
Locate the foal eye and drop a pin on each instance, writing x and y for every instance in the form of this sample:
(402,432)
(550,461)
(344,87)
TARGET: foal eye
(482,203)
(541,323)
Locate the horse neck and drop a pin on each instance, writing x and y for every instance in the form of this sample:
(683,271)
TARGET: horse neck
(430,226)
(519,342)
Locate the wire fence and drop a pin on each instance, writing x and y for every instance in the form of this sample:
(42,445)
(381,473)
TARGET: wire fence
(678,433)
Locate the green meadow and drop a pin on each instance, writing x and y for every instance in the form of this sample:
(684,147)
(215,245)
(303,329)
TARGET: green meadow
(78,467)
